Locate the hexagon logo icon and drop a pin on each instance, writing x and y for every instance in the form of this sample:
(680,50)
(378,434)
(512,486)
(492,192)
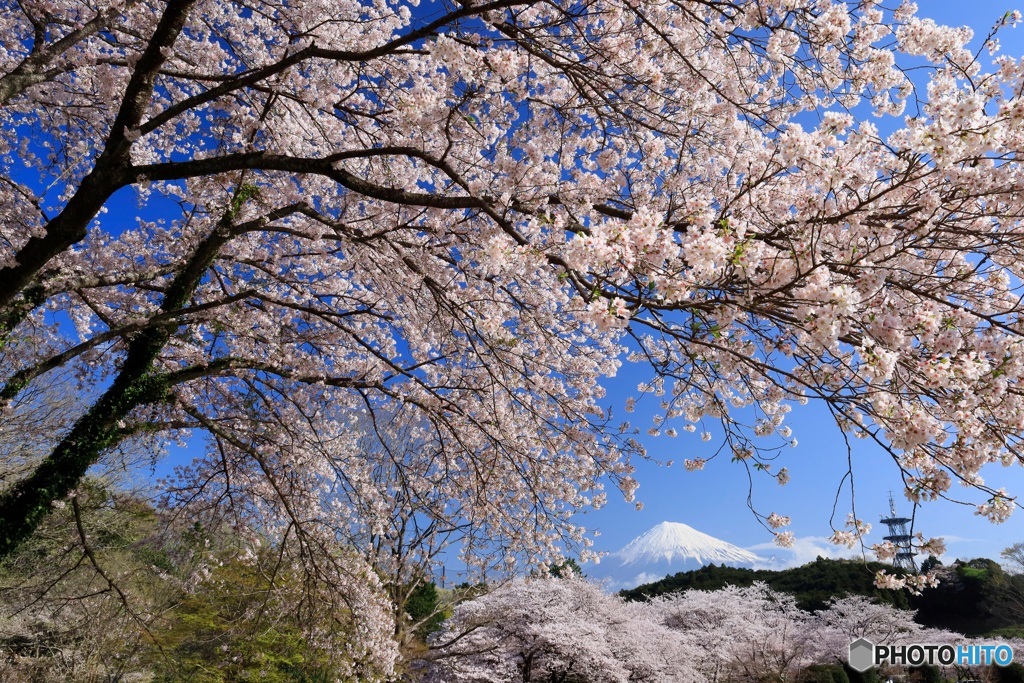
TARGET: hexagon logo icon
(862,654)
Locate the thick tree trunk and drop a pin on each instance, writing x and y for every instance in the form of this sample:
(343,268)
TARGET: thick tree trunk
(25,504)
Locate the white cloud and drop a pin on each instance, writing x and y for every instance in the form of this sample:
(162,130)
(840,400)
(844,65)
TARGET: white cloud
(805,549)
(808,548)
(645,577)
(615,583)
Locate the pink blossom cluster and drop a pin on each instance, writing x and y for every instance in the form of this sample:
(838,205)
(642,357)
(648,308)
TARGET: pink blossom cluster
(383,262)
(544,629)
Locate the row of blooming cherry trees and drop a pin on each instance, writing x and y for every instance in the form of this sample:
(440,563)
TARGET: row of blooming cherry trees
(570,630)
(312,229)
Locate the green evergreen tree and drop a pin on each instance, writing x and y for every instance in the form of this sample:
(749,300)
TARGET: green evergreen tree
(568,567)
(424,606)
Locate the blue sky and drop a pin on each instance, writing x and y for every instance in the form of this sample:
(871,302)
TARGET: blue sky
(715,500)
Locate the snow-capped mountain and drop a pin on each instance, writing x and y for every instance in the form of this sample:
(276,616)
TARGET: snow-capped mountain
(668,548)
(676,543)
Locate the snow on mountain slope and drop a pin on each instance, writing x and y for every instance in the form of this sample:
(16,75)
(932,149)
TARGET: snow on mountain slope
(675,543)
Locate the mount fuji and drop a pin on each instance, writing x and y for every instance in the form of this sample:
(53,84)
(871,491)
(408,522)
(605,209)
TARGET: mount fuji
(672,547)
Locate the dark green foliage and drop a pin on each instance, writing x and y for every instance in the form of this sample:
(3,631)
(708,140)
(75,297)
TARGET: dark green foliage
(813,584)
(974,598)
(816,583)
(929,673)
(567,568)
(976,574)
(1006,632)
(1009,674)
(222,633)
(422,606)
(869,676)
(470,590)
(823,673)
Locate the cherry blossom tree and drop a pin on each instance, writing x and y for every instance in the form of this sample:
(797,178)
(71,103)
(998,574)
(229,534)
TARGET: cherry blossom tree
(548,629)
(1014,555)
(545,629)
(742,634)
(467,213)
(852,617)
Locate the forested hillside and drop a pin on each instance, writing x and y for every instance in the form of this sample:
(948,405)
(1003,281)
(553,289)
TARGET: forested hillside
(813,584)
(974,598)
